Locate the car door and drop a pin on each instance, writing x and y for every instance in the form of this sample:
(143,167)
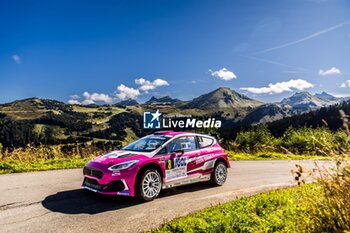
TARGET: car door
(205,152)
(180,161)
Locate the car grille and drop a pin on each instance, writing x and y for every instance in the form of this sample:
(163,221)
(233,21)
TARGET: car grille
(113,186)
(93,172)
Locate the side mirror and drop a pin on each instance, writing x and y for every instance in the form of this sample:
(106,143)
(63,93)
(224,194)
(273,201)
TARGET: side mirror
(179,152)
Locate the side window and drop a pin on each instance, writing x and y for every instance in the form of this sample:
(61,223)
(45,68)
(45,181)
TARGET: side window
(162,151)
(187,143)
(205,142)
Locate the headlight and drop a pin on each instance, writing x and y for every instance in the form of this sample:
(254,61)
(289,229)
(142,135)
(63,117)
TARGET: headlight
(122,166)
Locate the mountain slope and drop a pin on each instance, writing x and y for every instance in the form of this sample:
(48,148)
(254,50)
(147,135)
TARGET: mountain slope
(304,101)
(298,103)
(128,102)
(223,99)
(33,108)
(328,116)
(166,100)
(326,96)
(267,113)
(53,122)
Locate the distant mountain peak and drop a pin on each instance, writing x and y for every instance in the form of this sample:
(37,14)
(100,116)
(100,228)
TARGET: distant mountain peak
(162,100)
(223,98)
(325,95)
(305,101)
(302,93)
(153,98)
(128,102)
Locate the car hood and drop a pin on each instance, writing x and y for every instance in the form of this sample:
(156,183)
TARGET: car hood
(120,156)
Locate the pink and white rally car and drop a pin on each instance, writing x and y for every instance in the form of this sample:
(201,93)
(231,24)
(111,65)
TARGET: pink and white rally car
(158,161)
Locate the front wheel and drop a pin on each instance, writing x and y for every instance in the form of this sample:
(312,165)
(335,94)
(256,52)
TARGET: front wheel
(219,175)
(150,185)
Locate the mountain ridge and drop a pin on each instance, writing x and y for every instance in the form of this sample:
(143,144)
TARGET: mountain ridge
(236,106)
(35,120)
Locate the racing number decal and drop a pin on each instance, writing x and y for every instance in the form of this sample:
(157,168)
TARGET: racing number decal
(169,166)
(180,162)
(176,168)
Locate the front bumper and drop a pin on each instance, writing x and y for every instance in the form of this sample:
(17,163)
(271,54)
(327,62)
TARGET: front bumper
(100,180)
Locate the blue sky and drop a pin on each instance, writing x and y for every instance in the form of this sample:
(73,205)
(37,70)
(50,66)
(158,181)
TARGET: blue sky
(105,51)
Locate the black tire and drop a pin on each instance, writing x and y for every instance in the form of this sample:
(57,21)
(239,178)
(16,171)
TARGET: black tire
(149,185)
(219,175)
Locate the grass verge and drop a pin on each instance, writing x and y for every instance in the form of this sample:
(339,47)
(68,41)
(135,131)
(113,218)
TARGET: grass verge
(285,210)
(271,156)
(29,160)
(15,166)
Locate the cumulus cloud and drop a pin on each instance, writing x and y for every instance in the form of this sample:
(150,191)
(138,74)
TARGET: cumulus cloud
(90,98)
(16,58)
(223,74)
(87,102)
(345,84)
(73,102)
(331,71)
(74,97)
(125,92)
(146,85)
(279,87)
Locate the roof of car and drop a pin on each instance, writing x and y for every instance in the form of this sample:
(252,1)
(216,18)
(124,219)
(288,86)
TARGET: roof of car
(174,133)
(171,133)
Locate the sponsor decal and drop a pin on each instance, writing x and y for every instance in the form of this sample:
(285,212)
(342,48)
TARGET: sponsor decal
(116,173)
(153,120)
(124,193)
(176,168)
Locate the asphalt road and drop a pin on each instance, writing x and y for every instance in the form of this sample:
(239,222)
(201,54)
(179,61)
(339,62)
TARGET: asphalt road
(53,201)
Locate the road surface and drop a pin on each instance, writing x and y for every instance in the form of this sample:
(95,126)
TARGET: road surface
(53,201)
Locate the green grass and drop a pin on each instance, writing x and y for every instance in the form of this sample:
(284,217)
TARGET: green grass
(277,211)
(41,165)
(39,160)
(271,156)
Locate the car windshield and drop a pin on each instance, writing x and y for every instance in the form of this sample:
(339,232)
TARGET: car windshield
(147,144)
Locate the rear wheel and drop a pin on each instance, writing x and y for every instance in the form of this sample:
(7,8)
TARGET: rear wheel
(219,175)
(150,185)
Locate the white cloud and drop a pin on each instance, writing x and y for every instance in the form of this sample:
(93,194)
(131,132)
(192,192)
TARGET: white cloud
(127,92)
(16,58)
(74,102)
(123,92)
(87,102)
(279,87)
(223,74)
(331,71)
(146,85)
(345,84)
(91,98)
(74,97)
(340,95)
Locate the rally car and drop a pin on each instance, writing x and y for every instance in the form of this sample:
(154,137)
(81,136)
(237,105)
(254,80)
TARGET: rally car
(158,161)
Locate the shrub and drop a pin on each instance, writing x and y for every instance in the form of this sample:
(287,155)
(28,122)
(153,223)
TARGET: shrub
(308,141)
(342,141)
(320,141)
(258,139)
